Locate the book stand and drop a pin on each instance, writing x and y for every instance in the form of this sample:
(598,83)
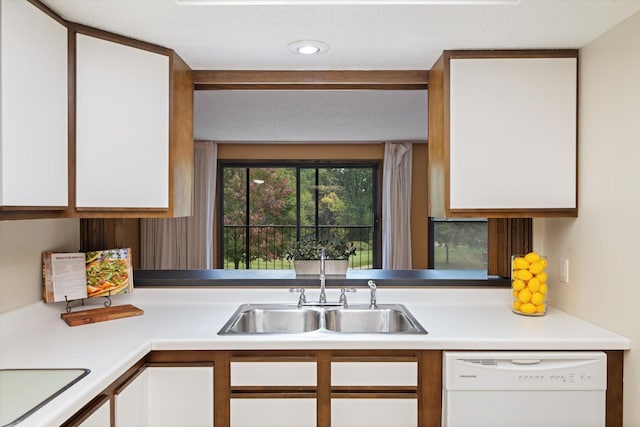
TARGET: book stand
(69,302)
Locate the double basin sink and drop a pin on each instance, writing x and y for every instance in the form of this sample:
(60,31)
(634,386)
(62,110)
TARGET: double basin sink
(252,319)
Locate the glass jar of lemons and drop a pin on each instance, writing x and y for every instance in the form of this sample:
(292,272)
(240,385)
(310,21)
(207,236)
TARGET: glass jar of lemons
(529,284)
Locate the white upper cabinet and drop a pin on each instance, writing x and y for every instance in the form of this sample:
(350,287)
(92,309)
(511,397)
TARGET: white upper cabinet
(504,139)
(33,142)
(122,126)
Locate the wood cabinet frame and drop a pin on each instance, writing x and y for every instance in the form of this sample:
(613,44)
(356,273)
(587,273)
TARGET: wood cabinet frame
(180,135)
(180,132)
(439,135)
(428,390)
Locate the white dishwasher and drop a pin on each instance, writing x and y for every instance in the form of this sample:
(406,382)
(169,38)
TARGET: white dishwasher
(524,389)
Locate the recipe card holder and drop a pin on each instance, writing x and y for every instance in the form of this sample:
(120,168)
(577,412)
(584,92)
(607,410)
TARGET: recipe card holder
(69,302)
(95,315)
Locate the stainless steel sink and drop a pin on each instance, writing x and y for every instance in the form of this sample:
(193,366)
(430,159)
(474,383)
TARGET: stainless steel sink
(252,319)
(271,319)
(384,319)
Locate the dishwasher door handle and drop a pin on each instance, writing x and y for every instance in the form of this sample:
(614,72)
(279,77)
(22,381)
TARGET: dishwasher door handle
(525,361)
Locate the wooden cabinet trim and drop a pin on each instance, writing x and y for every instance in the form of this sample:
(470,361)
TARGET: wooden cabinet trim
(430,389)
(615,387)
(310,80)
(511,53)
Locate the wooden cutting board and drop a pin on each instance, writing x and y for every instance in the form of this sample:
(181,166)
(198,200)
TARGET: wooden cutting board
(102,314)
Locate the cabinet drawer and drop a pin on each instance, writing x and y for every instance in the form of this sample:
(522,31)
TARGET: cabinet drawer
(273,412)
(374,373)
(374,412)
(273,373)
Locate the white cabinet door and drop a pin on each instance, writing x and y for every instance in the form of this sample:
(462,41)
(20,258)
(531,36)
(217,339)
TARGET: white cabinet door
(100,418)
(33,141)
(374,412)
(167,396)
(131,403)
(180,396)
(122,126)
(513,133)
(273,412)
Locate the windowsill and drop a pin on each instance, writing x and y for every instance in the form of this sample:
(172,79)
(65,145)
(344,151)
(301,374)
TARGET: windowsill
(287,278)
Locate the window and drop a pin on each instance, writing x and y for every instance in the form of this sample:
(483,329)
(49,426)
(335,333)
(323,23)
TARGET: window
(466,244)
(266,207)
(460,244)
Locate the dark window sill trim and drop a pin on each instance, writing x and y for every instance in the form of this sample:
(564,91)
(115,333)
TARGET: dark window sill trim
(288,279)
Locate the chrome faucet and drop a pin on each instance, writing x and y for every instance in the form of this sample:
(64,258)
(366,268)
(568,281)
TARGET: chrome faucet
(323,295)
(373,287)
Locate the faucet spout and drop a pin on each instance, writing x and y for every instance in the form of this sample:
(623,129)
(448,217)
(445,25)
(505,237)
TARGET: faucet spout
(323,295)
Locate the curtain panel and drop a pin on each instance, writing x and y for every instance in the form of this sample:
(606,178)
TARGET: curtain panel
(396,206)
(185,243)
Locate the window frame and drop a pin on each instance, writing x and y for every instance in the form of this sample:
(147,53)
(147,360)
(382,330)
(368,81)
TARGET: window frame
(300,164)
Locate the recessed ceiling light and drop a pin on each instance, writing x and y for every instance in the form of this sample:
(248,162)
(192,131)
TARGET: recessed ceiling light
(308,47)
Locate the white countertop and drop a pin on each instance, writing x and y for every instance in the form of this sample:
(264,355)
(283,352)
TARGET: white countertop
(189,319)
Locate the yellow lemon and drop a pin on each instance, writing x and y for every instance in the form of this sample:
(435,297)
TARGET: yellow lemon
(524,296)
(518,285)
(543,289)
(532,257)
(524,275)
(533,284)
(537,298)
(540,308)
(528,308)
(543,262)
(516,305)
(542,277)
(515,293)
(520,263)
(536,267)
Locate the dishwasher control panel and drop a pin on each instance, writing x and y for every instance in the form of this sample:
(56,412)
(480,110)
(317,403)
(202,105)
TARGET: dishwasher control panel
(525,371)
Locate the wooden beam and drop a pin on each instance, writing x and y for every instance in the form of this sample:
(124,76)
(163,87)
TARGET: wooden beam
(370,80)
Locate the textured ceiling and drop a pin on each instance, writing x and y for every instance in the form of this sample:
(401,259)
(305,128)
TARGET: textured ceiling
(359,36)
(363,37)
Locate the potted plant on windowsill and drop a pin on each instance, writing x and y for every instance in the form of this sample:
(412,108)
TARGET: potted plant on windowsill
(305,255)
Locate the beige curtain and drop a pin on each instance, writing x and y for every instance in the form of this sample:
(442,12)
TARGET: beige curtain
(396,206)
(185,243)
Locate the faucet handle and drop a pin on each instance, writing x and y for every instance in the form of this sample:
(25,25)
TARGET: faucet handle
(373,287)
(303,297)
(343,295)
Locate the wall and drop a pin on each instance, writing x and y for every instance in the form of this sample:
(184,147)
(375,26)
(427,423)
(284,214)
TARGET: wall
(603,243)
(360,151)
(21,247)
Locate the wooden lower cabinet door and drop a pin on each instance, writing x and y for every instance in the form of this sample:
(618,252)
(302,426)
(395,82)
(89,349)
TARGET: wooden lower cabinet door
(374,412)
(299,412)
